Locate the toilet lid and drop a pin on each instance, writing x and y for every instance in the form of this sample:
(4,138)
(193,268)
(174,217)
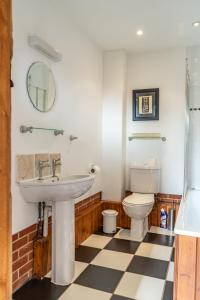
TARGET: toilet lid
(136,198)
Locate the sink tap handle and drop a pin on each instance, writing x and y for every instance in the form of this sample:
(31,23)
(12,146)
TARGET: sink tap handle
(56,162)
(41,165)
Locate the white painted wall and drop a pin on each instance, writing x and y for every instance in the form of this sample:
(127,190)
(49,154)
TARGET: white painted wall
(114,86)
(164,70)
(193,142)
(78,107)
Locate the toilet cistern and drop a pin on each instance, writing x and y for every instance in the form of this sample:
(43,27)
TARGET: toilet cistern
(144,183)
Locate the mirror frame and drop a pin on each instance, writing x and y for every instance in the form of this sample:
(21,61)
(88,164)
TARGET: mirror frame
(36,62)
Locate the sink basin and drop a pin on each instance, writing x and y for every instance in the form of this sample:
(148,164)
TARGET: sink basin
(61,192)
(52,189)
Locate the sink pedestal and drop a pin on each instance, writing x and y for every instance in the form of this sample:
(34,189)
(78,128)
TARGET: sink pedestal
(62,194)
(63,242)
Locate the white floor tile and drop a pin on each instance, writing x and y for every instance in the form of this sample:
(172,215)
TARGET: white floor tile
(97,241)
(123,234)
(170,274)
(159,230)
(79,268)
(48,275)
(140,287)
(112,259)
(76,292)
(154,251)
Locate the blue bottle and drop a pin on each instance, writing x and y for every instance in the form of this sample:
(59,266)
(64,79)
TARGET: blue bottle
(163,218)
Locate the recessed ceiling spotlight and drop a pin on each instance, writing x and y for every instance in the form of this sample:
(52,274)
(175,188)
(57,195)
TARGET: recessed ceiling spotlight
(196,24)
(139,32)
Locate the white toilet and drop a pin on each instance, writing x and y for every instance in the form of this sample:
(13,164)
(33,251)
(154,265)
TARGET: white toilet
(144,183)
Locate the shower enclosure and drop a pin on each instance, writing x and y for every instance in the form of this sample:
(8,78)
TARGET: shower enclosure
(187,228)
(192,151)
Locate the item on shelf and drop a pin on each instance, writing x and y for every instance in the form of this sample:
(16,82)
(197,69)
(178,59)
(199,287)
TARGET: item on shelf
(163,218)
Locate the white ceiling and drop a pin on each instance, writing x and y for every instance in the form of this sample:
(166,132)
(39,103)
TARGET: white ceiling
(112,24)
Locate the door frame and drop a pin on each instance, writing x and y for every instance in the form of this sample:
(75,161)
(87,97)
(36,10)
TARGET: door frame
(5,149)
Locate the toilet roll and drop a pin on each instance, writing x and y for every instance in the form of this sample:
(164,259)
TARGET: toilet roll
(94,169)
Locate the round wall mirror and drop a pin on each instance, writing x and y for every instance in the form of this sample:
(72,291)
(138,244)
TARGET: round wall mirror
(41,86)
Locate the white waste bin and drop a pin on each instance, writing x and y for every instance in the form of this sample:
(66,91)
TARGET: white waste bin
(109,220)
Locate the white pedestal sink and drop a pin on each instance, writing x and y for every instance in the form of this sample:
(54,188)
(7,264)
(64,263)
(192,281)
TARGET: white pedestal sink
(62,194)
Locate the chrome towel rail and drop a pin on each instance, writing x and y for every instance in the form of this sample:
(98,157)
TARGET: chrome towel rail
(194,108)
(25,129)
(147,136)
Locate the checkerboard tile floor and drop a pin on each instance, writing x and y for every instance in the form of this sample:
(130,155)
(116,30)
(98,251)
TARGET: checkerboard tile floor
(114,268)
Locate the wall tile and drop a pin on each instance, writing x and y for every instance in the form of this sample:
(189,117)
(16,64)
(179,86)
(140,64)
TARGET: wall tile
(25,167)
(28,165)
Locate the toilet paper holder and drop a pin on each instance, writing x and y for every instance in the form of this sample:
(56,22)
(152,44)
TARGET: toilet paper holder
(93,169)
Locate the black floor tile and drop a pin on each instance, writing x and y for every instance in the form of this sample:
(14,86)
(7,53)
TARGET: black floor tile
(40,290)
(100,232)
(100,278)
(160,239)
(86,254)
(173,253)
(148,266)
(122,246)
(168,292)
(116,297)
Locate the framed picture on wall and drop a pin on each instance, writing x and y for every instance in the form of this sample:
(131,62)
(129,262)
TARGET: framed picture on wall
(146,104)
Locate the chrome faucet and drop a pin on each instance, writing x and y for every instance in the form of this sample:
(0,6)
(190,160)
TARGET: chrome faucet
(55,163)
(41,165)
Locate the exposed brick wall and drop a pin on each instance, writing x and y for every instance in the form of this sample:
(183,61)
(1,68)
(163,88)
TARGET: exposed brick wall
(22,255)
(22,246)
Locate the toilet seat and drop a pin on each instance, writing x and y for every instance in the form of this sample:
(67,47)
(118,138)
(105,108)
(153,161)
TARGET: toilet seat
(139,199)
